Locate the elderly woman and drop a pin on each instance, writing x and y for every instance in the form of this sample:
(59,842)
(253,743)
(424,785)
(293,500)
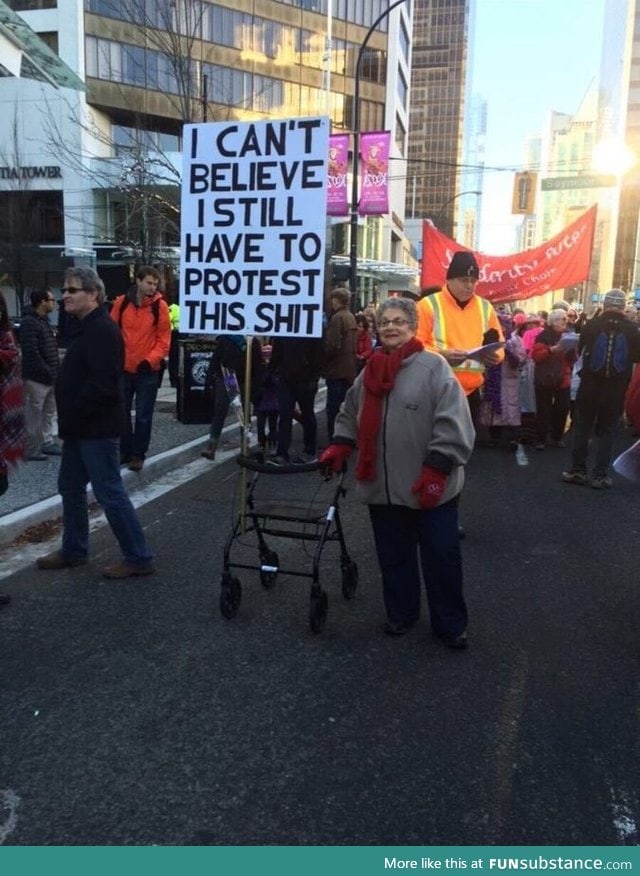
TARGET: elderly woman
(409,420)
(552,379)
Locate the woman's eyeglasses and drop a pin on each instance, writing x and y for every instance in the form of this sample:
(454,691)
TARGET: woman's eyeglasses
(397,322)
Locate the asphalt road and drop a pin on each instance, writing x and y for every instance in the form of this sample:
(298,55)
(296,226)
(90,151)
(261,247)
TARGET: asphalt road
(133,713)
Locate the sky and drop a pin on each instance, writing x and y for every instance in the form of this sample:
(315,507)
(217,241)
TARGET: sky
(529,57)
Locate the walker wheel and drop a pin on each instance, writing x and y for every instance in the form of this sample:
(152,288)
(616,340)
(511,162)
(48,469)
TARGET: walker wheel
(269,579)
(349,579)
(230,596)
(318,610)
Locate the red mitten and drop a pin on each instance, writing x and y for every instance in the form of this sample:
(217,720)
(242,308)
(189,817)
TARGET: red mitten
(429,487)
(334,457)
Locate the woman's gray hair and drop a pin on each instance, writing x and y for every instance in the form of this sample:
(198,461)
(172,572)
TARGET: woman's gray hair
(88,279)
(556,314)
(406,305)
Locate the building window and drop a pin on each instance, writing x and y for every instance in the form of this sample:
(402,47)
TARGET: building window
(26,5)
(402,89)
(32,217)
(50,39)
(401,136)
(404,41)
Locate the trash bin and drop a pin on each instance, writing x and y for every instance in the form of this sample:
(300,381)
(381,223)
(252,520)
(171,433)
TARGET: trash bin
(194,403)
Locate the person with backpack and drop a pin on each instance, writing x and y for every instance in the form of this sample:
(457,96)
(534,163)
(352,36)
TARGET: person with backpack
(143,318)
(609,344)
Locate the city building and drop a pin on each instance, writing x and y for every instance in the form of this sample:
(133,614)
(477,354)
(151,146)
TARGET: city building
(96,147)
(440,72)
(618,136)
(563,164)
(469,206)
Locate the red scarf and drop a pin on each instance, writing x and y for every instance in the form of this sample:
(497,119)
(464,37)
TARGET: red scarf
(379,376)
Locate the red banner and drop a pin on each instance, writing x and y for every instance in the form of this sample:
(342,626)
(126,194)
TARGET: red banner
(337,202)
(562,261)
(374,173)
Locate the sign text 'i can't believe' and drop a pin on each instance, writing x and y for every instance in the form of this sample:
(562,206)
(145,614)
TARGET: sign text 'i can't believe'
(253,227)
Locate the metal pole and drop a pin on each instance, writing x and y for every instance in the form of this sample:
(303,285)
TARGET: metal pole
(440,212)
(205,101)
(355,165)
(246,416)
(327,58)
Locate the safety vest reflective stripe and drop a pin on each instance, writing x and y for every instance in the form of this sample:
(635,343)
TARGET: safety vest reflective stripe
(439,322)
(440,329)
(468,365)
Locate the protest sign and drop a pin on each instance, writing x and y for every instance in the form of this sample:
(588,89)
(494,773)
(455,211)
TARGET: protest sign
(254,204)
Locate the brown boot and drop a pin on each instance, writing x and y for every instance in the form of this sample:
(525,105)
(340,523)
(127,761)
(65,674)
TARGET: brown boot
(57,561)
(136,464)
(210,450)
(127,570)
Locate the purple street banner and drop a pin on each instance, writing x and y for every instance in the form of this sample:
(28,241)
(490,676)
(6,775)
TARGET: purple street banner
(374,173)
(337,201)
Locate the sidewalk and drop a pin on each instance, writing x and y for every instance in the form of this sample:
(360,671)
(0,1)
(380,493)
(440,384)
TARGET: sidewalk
(32,500)
(32,497)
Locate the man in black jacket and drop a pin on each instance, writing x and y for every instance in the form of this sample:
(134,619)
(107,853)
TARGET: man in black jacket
(89,395)
(609,344)
(39,370)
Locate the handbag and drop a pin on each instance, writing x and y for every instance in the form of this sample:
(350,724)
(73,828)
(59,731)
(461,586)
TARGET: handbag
(548,374)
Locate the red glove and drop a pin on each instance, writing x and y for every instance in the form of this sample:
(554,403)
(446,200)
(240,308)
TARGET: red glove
(335,456)
(429,487)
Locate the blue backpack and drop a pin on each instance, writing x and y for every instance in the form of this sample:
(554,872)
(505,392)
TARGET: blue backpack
(609,354)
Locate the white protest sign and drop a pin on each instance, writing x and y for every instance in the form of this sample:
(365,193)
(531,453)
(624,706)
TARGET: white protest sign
(254,204)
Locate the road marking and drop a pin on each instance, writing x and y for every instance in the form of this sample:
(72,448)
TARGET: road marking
(623,820)
(10,801)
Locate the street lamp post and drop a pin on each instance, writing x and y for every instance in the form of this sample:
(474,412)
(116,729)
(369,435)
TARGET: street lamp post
(585,292)
(440,212)
(355,169)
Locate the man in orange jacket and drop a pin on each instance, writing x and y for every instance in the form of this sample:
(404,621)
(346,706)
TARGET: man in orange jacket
(143,317)
(455,320)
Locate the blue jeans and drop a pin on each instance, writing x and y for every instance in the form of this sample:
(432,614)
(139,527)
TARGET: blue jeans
(145,389)
(97,461)
(399,534)
(337,388)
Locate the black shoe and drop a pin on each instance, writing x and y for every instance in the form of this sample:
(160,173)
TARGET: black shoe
(277,461)
(397,628)
(5,599)
(461,533)
(457,643)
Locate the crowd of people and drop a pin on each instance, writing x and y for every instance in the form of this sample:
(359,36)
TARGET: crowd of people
(411,389)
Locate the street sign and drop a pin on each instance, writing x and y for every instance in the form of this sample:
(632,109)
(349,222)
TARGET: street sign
(592,181)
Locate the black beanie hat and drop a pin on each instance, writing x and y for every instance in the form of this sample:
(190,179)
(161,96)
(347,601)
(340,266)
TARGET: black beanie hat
(463,264)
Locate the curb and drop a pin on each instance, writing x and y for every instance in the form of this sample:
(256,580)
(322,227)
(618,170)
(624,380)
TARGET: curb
(17,522)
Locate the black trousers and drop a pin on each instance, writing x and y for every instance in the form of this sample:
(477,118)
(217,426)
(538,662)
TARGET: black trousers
(552,408)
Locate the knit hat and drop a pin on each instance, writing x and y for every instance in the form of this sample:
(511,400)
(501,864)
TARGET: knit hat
(519,319)
(615,299)
(463,264)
